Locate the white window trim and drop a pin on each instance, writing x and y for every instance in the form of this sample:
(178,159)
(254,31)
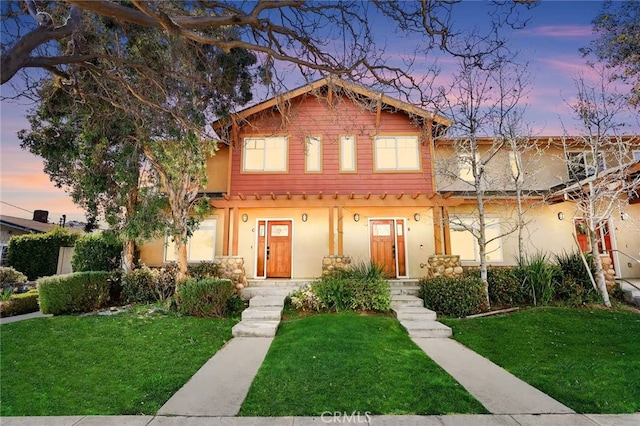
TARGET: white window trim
(208,225)
(397,159)
(264,158)
(585,167)
(354,153)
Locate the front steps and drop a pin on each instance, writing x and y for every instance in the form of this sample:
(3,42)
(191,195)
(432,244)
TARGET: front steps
(631,290)
(419,321)
(261,318)
(271,288)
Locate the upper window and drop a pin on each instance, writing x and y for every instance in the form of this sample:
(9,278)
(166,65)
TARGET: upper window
(515,163)
(201,246)
(465,244)
(347,153)
(636,155)
(397,153)
(313,155)
(583,164)
(465,166)
(269,154)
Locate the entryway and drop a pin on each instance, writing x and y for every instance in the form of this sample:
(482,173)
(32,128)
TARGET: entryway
(604,239)
(274,249)
(387,246)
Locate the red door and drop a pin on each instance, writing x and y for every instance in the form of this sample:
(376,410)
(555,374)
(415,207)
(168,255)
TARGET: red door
(604,239)
(279,249)
(383,246)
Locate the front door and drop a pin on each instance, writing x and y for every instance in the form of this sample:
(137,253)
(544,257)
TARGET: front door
(604,239)
(383,246)
(278,249)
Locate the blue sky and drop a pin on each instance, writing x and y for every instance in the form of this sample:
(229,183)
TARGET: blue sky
(549,43)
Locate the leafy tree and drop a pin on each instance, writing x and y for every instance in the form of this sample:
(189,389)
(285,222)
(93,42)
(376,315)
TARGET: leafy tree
(618,42)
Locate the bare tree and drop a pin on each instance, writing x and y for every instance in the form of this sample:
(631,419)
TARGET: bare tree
(600,160)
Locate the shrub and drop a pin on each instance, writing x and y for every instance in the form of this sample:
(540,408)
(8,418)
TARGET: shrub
(74,293)
(36,255)
(504,287)
(19,304)
(539,278)
(306,300)
(9,275)
(149,285)
(203,270)
(574,285)
(235,306)
(97,252)
(457,297)
(208,297)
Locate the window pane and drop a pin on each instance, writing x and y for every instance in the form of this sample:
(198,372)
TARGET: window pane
(636,155)
(265,154)
(385,154)
(463,244)
(464,168)
(408,154)
(170,250)
(347,154)
(493,250)
(202,243)
(397,153)
(313,155)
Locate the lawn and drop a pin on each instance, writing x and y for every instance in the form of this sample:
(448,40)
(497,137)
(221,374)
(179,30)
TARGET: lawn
(345,363)
(588,359)
(129,363)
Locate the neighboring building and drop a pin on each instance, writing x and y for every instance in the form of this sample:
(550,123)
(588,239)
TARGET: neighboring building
(10,226)
(333,169)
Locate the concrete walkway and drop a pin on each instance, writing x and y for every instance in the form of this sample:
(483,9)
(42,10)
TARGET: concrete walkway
(7,320)
(222,383)
(451,420)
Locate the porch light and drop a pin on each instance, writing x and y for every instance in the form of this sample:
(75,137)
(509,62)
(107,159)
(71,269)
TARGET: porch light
(624,216)
(416,217)
(560,216)
(304,217)
(356,217)
(245,217)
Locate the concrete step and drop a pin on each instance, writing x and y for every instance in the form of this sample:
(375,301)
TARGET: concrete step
(415,314)
(272,313)
(278,283)
(428,329)
(254,328)
(249,292)
(398,302)
(405,290)
(259,301)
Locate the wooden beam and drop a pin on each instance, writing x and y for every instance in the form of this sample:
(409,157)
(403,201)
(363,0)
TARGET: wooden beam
(351,196)
(226,197)
(447,195)
(400,195)
(335,196)
(234,236)
(331,234)
(288,195)
(366,197)
(273,196)
(320,195)
(229,168)
(383,196)
(416,195)
(340,233)
(437,230)
(304,195)
(378,113)
(447,230)
(241,195)
(226,222)
(257,196)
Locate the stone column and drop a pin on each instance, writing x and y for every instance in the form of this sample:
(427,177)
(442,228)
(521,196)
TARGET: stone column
(333,262)
(232,267)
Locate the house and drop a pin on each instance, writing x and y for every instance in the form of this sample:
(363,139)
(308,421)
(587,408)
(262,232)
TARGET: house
(333,172)
(10,226)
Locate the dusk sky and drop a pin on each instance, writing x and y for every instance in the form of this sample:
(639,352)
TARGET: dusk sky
(550,43)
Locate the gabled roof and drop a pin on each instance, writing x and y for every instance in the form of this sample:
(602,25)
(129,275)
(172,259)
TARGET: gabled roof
(334,82)
(26,224)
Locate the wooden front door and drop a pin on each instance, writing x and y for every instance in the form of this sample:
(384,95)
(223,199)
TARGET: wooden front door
(383,246)
(278,250)
(604,239)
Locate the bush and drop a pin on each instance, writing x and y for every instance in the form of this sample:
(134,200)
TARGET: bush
(149,285)
(203,270)
(9,275)
(457,297)
(74,293)
(19,304)
(539,278)
(36,255)
(574,286)
(505,288)
(205,298)
(306,300)
(97,252)
(235,306)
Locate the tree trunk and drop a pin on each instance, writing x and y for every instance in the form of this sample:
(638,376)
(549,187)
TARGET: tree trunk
(128,255)
(602,283)
(181,258)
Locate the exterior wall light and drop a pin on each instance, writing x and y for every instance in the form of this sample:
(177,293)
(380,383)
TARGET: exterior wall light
(245,217)
(304,217)
(356,217)
(416,217)
(560,216)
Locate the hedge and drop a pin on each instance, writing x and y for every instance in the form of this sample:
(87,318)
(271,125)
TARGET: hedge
(36,255)
(74,293)
(19,304)
(148,285)
(208,297)
(456,297)
(97,252)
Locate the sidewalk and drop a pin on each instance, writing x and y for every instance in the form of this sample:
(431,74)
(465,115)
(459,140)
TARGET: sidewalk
(451,420)
(7,320)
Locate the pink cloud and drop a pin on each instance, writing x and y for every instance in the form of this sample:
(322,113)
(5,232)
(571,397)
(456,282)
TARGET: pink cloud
(561,31)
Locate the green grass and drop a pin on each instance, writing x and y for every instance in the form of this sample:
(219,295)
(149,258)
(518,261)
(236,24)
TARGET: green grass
(129,363)
(346,362)
(588,359)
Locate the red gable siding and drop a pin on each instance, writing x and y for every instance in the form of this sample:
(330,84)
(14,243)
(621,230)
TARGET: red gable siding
(312,116)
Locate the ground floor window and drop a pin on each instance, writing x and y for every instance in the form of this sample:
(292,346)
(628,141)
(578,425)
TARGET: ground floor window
(201,247)
(3,254)
(465,244)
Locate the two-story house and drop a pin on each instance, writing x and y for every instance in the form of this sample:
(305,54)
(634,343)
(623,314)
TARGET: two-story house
(333,170)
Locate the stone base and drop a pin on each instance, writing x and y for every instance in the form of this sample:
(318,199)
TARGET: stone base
(609,272)
(334,262)
(232,267)
(444,265)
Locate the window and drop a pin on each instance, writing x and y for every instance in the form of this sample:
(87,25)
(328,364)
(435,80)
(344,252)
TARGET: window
(581,165)
(200,247)
(465,166)
(265,154)
(3,254)
(636,155)
(464,243)
(313,155)
(347,153)
(515,163)
(397,153)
